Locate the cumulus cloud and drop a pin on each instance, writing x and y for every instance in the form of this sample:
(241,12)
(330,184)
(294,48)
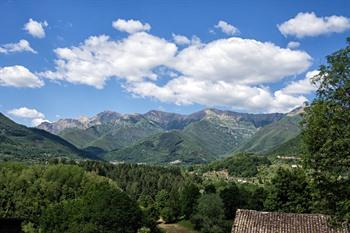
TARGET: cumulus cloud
(237,60)
(99,58)
(303,86)
(293,45)
(34,115)
(181,40)
(21,46)
(226,28)
(245,98)
(309,24)
(230,72)
(35,28)
(19,76)
(130,26)
(233,72)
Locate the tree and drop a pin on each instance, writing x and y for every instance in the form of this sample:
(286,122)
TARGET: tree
(188,199)
(210,188)
(162,199)
(168,214)
(231,198)
(326,133)
(289,192)
(166,205)
(65,198)
(257,199)
(209,214)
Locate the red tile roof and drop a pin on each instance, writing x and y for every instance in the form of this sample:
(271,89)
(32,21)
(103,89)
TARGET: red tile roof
(251,221)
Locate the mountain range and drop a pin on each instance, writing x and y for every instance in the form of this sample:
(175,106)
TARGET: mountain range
(23,143)
(162,137)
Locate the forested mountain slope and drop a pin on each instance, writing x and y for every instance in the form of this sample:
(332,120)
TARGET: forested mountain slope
(21,142)
(274,134)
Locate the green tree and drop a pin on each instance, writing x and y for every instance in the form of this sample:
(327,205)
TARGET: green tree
(257,199)
(289,192)
(326,134)
(167,205)
(209,214)
(188,199)
(231,198)
(168,214)
(65,198)
(210,188)
(162,199)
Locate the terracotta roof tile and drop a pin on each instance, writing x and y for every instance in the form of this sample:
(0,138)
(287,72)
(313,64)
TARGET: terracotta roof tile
(251,221)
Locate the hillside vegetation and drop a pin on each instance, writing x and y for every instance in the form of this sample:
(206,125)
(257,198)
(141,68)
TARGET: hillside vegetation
(20,142)
(274,134)
(161,137)
(170,147)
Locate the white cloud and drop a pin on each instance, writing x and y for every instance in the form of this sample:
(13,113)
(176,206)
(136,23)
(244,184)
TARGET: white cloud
(21,46)
(34,115)
(231,72)
(35,28)
(183,91)
(293,45)
(24,112)
(181,40)
(99,58)
(237,60)
(226,28)
(308,24)
(303,86)
(38,121)
(19,76)
(130,26)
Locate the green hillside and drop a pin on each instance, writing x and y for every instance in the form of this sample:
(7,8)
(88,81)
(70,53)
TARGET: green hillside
(20,142)
(292,147)
(242,164)
(219,136)
(205,134)
(111,136)
(163,148)
(272,135)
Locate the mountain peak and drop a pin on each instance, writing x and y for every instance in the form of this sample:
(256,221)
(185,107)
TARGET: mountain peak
(296,111)
(165,120)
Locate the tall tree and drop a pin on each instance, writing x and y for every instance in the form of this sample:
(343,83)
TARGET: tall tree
(289,192)
(326,134)
(209,214)
(188,199)
(231,198)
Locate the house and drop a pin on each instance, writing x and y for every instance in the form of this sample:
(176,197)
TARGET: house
(251,221)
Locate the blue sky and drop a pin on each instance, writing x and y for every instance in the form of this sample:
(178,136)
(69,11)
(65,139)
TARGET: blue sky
(241,64)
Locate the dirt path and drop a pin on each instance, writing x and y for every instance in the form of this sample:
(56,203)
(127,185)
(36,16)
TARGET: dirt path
(174,228)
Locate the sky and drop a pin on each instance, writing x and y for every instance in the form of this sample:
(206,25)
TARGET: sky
(66,59)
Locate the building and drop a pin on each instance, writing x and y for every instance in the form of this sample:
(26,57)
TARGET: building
(251,221)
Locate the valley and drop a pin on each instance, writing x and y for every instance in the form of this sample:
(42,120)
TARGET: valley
(161,138)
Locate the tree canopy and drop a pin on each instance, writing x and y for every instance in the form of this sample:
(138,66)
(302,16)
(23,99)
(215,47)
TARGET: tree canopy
(326,135)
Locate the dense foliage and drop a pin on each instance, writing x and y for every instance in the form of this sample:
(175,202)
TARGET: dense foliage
(273,135)
(327,137)
(243,164)
(163,148)
(209,214)
(289,192)
(65,198)
(23,143)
